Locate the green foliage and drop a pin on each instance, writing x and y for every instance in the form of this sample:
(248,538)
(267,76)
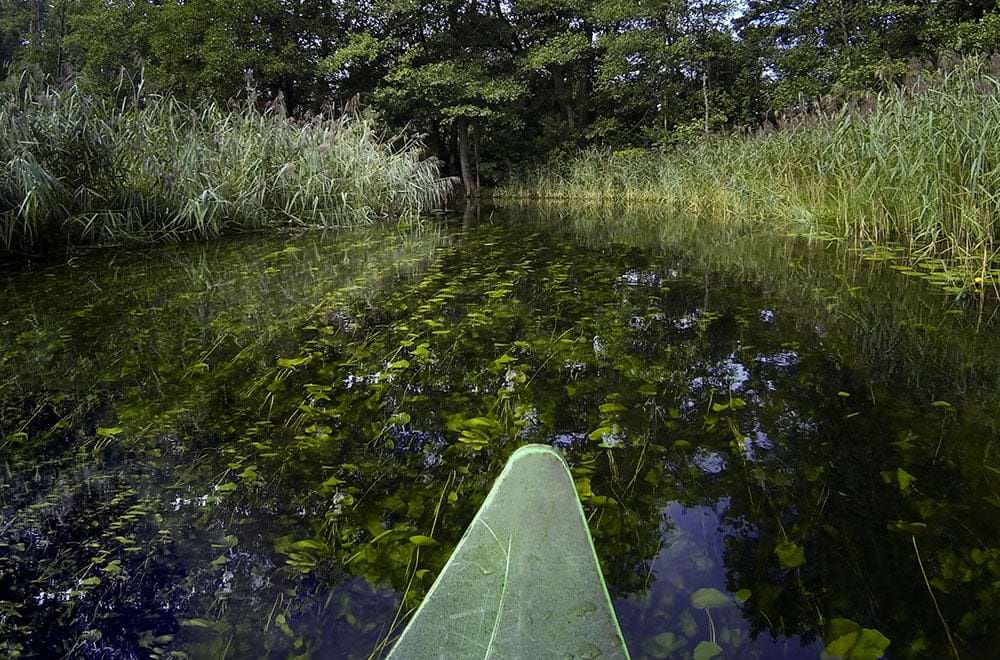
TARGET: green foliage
(849,641)
(565,73)
(917,167)
(79,169)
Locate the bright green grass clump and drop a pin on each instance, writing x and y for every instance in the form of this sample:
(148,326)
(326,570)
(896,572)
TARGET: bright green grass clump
(917,167)
(78,169)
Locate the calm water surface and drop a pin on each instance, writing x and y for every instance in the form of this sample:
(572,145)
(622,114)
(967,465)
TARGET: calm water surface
(224,450)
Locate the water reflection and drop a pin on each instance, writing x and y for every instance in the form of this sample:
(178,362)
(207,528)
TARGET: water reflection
(270,449)
(692,559)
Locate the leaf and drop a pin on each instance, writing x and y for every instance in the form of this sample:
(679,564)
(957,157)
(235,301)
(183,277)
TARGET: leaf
(789,554)
(331,482)
(289,363)
(422,541)
(90,582)
(400,419)
(719,407)
(310,544)
(597,434)
(707,650)
(648,390)
(227,487)
(903,527)
(583,487)
(399,365)
(847,639)
(743,595)
(196,623)
(708,598)
(104,432)
(609,408)
(664,644)
(941,404)
(905,479)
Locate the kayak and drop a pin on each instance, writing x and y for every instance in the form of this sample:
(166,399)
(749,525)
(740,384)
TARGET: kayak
(524,581)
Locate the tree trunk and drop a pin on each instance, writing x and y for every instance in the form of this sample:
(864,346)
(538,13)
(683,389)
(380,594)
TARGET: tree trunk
(563,97)
(37,13)
(468,176)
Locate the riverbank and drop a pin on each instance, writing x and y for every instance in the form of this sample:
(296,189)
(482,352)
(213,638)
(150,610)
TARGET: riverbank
(80,170)
(915,169)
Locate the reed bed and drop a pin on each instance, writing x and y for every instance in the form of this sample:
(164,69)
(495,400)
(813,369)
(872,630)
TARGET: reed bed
(916,167)
(76,169)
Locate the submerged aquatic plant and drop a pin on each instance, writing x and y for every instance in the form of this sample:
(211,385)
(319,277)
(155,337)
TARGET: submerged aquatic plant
(80,169)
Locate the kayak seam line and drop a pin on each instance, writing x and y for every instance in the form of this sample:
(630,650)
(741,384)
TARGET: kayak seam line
(503,587)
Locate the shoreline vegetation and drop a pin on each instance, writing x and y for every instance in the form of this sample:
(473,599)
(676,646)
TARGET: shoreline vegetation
(915,169)
(77,169)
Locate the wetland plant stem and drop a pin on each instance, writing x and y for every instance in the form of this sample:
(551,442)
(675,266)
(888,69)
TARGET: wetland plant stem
(947,630)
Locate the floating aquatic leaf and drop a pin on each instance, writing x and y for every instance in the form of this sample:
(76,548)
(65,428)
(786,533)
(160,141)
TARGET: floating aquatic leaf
(707,650)
(848,640)
(400,419)
(912,528)
(599,433)
(311,544)
(710,598)
(789,554)
(422,541)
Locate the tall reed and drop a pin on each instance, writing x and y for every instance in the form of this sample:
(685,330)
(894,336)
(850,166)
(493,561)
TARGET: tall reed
(79,169)
(917,166)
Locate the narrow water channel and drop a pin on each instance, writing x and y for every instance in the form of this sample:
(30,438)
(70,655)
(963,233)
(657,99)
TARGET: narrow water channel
(268,446)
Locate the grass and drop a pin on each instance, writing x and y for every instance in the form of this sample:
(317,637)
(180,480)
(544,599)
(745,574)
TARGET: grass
(75,169)
(916,167)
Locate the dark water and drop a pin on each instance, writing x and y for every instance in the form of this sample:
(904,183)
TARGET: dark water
(223,450)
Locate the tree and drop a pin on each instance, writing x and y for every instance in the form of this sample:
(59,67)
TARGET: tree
(446,69)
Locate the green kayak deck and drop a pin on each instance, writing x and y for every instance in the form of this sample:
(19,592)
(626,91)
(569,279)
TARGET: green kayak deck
(524,581)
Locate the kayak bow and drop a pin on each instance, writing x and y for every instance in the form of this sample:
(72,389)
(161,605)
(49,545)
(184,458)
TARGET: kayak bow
(524,581)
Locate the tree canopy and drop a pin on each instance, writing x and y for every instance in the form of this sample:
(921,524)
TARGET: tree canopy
(491,84)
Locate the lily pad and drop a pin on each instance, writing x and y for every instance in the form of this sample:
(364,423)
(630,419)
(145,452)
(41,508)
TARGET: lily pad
(707,650)
(708,598)
(790,554)
(848,640)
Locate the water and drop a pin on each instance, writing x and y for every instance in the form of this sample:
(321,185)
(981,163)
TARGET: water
(224,450)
